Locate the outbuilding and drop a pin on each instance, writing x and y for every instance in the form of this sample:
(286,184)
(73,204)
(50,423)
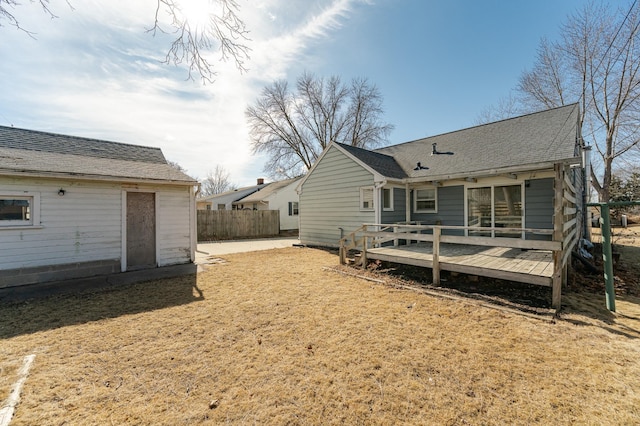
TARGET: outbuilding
(74,207)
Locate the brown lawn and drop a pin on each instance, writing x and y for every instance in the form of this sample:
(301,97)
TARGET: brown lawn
(274,338)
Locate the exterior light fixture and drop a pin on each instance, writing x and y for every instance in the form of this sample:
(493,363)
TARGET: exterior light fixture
(61,192)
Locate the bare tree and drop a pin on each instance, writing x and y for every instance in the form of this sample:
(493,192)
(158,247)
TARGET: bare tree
(7,14)
(294,127)
(224,32)
(506,107)
(177,166)
(216,182)
(597,61)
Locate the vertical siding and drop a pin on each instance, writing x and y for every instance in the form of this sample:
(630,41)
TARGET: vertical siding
(173,222)
(330,199)
(81,226)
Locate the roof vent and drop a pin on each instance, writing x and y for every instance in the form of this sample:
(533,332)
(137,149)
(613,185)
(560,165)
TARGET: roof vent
(420,167)
(434,150)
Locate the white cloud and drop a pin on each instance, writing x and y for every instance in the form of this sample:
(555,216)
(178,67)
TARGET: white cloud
(95,72)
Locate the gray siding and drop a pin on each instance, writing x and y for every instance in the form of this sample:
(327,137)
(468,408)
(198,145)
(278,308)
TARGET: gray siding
(330,199)
(398,213)
(450,209)
(538,205)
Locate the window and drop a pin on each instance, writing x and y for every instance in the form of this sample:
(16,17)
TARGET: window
(425,200)
(19,210)
(222,206)
(293,208)
(366,198)
(387,199)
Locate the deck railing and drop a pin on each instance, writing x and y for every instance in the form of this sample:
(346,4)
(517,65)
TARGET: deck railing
(564,235)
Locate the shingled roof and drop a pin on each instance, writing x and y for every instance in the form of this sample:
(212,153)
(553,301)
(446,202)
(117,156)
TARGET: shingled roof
(40,153)
(384,164)
(540,138)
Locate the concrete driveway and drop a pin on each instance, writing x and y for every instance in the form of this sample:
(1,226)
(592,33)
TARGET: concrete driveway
(207,250)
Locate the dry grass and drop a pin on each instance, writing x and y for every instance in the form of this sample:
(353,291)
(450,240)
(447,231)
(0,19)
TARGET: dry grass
(273,338)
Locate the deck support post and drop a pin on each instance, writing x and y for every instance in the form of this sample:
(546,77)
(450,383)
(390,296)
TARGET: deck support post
(436,255)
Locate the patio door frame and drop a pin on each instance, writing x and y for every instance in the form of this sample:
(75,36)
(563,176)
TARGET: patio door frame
(492,184)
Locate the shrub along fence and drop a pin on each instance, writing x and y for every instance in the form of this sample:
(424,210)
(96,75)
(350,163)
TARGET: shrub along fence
(229,224)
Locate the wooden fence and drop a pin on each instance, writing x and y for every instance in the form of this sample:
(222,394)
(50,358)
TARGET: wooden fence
(229,224)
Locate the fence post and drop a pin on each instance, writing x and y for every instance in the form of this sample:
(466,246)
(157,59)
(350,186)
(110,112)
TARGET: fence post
(605,227)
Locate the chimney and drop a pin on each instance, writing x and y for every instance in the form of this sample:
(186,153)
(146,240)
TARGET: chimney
(260,181)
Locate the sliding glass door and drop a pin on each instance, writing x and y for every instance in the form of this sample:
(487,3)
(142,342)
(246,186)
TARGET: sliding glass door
(494,207)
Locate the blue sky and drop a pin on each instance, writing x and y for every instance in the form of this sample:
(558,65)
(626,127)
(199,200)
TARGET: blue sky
(94,71)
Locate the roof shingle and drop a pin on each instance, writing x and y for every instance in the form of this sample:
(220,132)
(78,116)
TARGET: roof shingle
(542,137)
(29,151)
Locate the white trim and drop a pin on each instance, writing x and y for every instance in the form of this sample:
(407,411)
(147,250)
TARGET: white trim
(415,199)
(96,178)
(34,221)
(362,199)
(123,243)
(391,199)
(193,225)
(492,185)
(407,203)
(155,225)
(519,170)
(377,177)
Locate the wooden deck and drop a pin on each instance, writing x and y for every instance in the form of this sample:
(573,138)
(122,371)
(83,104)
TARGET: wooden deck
(513,264)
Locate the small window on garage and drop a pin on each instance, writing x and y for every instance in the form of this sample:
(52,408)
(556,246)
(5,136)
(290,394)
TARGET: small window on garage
(366,198)
(19,210)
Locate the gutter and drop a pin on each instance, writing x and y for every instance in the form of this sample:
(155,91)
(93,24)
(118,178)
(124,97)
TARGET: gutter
(494,172)
(98,178)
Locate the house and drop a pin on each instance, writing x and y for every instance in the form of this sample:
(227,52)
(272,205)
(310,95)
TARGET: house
(225,200)
(281,196)
(496,184)
(75,207)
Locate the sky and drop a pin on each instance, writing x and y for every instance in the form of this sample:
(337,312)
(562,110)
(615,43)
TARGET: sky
(94,71)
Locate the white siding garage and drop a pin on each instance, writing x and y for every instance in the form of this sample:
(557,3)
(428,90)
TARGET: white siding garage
(63,207)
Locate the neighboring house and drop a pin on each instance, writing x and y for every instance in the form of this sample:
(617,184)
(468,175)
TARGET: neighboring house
(494,175)
(75,207)
(281,196)
(225,200)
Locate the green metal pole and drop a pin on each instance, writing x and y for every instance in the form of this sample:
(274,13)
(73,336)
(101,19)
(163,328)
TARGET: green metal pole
(605,225)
